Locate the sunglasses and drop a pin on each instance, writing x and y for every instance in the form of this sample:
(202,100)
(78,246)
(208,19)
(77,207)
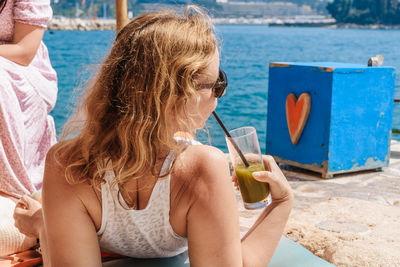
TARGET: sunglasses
(218,87)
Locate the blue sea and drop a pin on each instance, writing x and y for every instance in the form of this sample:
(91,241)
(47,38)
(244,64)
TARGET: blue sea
(246,51)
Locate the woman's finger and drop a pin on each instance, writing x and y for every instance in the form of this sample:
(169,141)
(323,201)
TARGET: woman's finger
(262,176)
(235,181)
(18,211)
(27,200)
(22,202)
(266,162)
(270,163)
(271,177)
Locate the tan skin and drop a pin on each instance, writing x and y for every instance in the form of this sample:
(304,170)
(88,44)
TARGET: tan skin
(203,205)
(25,43)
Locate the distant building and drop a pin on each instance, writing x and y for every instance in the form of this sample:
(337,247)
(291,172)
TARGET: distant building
(237,9)
(263,9)
(153,7)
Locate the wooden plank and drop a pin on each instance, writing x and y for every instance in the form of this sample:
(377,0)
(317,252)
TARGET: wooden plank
(396,131)
(121,13)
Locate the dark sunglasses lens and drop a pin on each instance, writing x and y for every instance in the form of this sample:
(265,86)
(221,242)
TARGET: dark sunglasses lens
(219,91)
(221,84)
(222,77)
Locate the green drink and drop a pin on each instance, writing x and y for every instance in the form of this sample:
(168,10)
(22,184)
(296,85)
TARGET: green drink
(252,191)
(246,158)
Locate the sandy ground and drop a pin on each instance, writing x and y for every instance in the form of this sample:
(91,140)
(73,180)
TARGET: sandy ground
(350,220)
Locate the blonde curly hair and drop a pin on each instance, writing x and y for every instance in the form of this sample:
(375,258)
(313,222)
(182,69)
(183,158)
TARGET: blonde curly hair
(131,108)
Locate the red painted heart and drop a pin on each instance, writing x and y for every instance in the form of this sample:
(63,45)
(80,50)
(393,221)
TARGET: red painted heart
(297,112)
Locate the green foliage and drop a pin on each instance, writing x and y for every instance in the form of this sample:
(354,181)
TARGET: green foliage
(339,9)
(365,11)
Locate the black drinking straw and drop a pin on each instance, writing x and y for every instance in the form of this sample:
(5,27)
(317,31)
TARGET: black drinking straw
(231,139)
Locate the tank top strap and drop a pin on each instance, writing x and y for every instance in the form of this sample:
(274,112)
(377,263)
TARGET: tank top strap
(169,160)
(109,174)
(167,164)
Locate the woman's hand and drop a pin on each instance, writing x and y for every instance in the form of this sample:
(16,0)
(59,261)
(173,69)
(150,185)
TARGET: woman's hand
(260,242)
(279,186)
(28,216)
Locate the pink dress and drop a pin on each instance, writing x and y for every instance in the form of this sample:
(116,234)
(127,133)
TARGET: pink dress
(27,95)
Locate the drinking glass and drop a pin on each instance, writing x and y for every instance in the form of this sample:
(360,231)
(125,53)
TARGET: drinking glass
(253,192)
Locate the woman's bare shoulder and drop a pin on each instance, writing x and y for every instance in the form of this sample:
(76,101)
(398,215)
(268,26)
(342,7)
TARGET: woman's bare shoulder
(56,164)
(54,160)
(201,158)
(204,152)
(57,188)
(200,166)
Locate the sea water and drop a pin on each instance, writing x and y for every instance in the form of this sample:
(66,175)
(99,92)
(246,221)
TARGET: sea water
(246,51)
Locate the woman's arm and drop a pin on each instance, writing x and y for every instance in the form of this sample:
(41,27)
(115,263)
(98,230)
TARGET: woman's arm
(212,220)
(272,221)
(71,235)
(25,44)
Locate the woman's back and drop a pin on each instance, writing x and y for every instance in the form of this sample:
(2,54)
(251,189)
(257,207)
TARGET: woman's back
(140,232)
(160,227)
(161,77)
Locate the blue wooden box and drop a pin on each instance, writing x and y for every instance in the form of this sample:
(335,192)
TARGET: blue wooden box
(350,116)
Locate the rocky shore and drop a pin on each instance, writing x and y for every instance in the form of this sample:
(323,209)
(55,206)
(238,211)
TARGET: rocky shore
(356,26)
(77,24)
(74,24)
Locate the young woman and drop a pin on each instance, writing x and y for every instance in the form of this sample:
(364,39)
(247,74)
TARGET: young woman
(28,92)
(124,185)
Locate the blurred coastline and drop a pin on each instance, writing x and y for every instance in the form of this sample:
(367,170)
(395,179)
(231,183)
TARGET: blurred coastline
(79,24)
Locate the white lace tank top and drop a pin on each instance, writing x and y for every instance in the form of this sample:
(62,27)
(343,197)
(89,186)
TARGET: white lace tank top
(145,233)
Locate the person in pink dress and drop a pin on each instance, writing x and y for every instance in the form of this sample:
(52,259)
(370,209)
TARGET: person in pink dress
(28,92)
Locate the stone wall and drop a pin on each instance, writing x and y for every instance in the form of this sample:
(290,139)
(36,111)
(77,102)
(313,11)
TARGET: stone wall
(70,24)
